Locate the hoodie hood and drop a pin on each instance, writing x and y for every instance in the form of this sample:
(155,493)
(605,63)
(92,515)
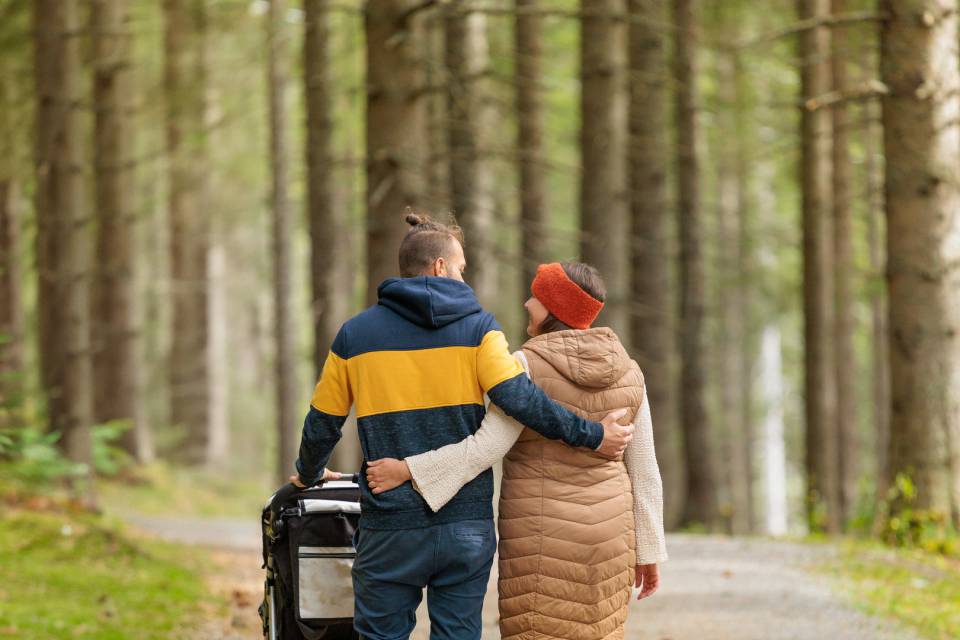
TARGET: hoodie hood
(428,301)
(592,358)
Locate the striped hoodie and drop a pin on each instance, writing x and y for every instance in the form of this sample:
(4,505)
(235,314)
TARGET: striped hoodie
(416,366)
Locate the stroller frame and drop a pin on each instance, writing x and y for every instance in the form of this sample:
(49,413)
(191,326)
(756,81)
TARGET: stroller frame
(292,515)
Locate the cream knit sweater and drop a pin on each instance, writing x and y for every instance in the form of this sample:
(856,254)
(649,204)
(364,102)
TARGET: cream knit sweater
(439,474)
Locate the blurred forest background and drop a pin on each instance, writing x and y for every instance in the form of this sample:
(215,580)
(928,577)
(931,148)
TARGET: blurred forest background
(194,194)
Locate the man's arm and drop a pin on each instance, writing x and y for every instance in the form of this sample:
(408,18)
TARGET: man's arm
(508,386)
(329,407)
(321,432)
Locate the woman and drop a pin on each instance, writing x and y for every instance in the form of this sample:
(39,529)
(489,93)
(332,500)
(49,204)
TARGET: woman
(576,529)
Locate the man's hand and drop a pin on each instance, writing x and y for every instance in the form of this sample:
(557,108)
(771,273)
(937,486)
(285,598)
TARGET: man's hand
(386,474)
(615,436)
(648,579)
(327,475)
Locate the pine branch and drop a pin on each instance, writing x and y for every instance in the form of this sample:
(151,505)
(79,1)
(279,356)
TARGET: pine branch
(863,91)
(813,23)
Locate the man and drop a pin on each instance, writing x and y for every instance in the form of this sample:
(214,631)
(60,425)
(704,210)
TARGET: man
(416,365)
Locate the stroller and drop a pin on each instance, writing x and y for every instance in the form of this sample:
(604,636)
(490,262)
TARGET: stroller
(308,555)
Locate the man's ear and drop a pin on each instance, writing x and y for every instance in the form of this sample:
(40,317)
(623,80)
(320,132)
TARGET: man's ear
(440,267)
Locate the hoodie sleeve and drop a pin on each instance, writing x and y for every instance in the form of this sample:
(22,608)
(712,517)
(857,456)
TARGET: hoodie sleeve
(508,386)
(329,407)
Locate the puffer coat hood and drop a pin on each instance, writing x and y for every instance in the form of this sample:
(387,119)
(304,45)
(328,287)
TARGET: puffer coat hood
(593,358)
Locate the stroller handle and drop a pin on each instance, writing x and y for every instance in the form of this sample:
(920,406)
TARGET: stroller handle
(286,491)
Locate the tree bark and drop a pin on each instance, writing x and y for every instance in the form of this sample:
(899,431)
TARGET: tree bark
(879,336)
(396,129)
(822,493)
(283,328)
(331,284)
(185,88)
(118,376)
(219,362)
(528,48)
(11,319)
(731,299)
(62,242)
(470,118)
(326,220)
(603,156)
(919,64)
(11,295)
(749,349)
(843,268)
(652,313)
(700,505)
(436,77)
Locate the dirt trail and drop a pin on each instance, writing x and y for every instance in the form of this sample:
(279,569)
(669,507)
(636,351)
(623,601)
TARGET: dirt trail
(713,588)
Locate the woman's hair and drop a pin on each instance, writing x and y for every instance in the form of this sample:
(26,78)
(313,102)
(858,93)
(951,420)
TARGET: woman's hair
(587,278)
(426,240)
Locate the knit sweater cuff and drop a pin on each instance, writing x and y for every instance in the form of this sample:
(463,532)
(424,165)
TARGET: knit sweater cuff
(644,557)
(428,478)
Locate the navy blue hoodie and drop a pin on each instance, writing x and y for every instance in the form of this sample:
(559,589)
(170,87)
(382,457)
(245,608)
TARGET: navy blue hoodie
(416,365)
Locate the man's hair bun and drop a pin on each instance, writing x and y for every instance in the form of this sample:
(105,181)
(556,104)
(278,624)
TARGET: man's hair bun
(416,219)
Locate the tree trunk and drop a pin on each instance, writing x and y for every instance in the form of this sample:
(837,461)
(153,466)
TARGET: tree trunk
(880,357)
(118,377)
(700,504)
(652,311)
(185,87)
(603,155)
(470,118)
(218,359)
(822,493)
(396,129)
(326,220)
(844,353)
(528,48)
(438,138)
(922,150)
(749,349)
(11,319)
(731,302)
(332,288)
(63,249)
(12,378)
(283,328)
(774,447)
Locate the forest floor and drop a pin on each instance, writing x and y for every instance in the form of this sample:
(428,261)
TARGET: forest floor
(713,588)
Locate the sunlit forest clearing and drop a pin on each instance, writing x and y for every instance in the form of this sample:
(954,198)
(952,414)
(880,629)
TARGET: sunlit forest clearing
(196,194)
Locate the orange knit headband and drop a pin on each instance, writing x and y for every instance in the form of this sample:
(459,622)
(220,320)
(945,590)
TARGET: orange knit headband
(563,298)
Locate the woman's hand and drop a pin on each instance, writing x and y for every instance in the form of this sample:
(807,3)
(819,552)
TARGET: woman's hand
(648,579)
(386,474)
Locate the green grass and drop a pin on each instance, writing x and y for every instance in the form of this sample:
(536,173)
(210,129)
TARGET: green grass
(918,589)
(161,489)
(76,575)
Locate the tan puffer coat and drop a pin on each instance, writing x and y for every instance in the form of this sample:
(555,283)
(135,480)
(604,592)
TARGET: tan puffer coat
(566,515)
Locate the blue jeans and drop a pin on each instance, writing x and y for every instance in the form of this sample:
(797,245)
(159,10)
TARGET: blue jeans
(392,568)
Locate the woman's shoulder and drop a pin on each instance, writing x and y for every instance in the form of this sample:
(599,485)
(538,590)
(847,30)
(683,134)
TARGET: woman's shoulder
(521,357)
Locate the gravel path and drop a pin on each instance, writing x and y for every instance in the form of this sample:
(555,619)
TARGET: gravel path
(713,588)
(716,588)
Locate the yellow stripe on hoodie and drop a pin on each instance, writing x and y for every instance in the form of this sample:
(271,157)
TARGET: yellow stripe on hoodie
(388,381)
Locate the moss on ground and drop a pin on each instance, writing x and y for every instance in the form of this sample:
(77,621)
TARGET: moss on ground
(70,574)
(918,589)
